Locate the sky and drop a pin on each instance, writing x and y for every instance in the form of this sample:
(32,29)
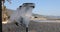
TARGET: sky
(42,7)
